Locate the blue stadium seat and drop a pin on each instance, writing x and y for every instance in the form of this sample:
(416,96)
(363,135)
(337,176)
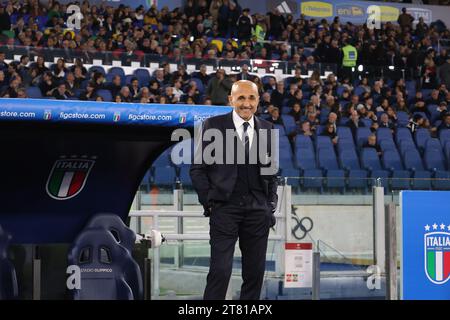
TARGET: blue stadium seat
(435,162)
(164,176)
(421,136)
(105,94)
(387,144)
(289,123)
(362,134)
(403,134)
(143,76)
(126,238)
(371,162)
(402,118)
(8,279)
(400,178)
(357,178)
(413,162)
(344,133)
(384,134)
(280,127)
(303,142)
(97,69)
(184,175)
(97,249)
(116,71)
(328,162)
(200,86)
(130,77)
(320,129)
(311,176)
(34,93)
(444,136)
(323,142)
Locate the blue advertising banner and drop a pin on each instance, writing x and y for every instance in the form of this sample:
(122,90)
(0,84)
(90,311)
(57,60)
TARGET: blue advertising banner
(426,245)
(178,115)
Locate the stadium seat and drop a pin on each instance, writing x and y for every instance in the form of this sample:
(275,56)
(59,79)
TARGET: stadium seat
(402,118)
(311,176)
(421,136)
(303,142)
(126,238)
(34,93)
(356,177)
(362,134)
(164,176)
(371,162)
(8,279)
(400,178)
(97,69)
(413,162)
(105,94)
(143,76)
(328,163)
(116,71)
(97,249)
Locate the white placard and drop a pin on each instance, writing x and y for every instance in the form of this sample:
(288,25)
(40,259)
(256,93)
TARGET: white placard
(116,63)
(298,264)
(154,65)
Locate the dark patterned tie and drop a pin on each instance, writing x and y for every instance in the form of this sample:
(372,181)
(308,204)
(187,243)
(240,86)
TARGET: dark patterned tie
(246,140)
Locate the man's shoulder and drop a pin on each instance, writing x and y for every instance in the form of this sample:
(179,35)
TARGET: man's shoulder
(216,120)
(264,123)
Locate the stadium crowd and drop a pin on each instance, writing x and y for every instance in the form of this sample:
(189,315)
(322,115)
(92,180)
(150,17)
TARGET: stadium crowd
(421,94)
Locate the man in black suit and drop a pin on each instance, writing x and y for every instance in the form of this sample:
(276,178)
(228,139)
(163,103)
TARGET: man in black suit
(239,197)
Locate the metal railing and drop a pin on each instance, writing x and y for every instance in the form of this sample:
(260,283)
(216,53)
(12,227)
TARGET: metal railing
(280,229)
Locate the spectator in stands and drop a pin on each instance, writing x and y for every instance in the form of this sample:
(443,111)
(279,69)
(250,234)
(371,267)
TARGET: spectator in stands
(445,125)
(71,85)
(134,88)
(244,26)
(89,94)
(296,112)
(311,117)
(442,109)
(306,129)
(405,20)
(421,107)
(372,143)
(114,86)
(330,131)
(355,122)
(275,117)
(125,94)
(385,122)
(332,120)
(219,88)
(11,90)
(415,123)
(244,74)
(434,98)
(444,73)
(271,85)
(202,75)
(392,116)
(60,69)
(264,103)
(47,84)
(61,92)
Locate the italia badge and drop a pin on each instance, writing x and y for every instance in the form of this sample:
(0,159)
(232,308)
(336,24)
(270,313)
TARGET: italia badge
(437,252)
(68,177)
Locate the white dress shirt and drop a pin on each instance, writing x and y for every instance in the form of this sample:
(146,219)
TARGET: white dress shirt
(239,126)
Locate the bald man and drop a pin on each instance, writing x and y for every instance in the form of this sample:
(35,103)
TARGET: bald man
(239,198)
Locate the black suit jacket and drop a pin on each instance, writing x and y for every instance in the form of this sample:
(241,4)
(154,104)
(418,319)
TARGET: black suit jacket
(215,182)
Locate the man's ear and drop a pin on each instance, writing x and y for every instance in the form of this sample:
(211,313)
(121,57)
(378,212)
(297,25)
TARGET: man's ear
(230,100)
